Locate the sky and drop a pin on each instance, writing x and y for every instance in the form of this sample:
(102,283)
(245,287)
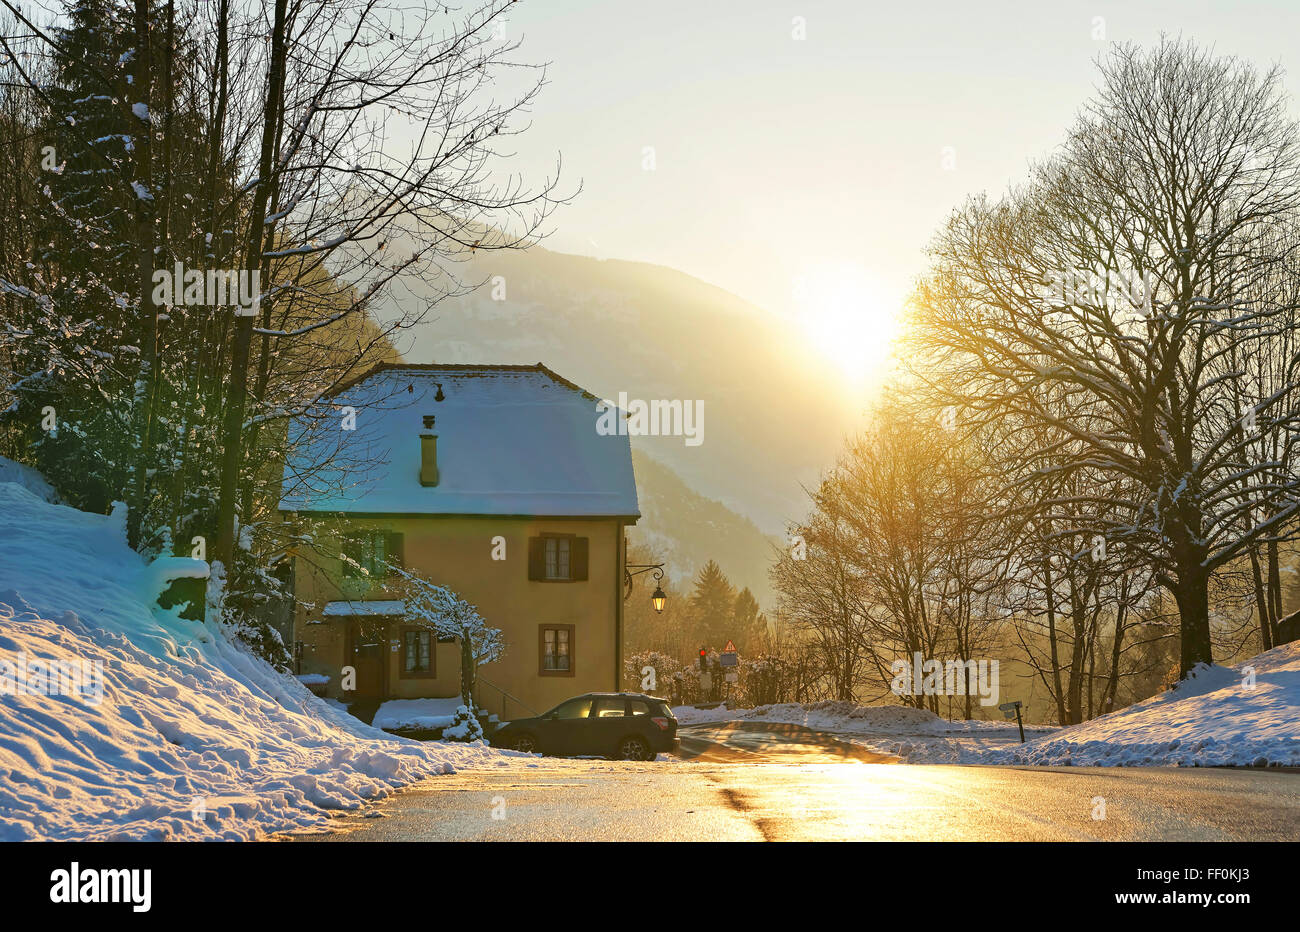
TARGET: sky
(807,175)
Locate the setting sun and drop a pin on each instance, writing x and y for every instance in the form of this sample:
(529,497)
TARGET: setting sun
(849,317)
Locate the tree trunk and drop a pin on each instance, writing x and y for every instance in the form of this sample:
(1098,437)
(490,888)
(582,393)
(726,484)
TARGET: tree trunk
(467,673)
(1057,693)
(1274,592)
(233,425)
(1078,618)
(1261,602)
(145,203)
(1116,652)
(1193,597)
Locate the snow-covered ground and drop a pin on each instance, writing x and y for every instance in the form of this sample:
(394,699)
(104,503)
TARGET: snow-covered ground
(1219,716)
(912,734)
(28,478)
(1248,715)
(153,726)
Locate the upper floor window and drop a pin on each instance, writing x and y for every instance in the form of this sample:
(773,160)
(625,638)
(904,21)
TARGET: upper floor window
(557,558)
(367,554)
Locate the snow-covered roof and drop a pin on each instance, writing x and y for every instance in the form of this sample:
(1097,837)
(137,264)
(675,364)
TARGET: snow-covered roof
(376,607)
(512,440)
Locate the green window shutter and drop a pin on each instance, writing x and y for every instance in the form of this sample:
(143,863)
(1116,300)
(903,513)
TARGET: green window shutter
(350,548)
(578,558)
(536,558)
(395,548)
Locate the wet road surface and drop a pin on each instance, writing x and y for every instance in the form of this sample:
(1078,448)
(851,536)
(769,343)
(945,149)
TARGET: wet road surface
(753,781)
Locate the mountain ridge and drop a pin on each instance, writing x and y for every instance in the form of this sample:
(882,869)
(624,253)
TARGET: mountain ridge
(685,529)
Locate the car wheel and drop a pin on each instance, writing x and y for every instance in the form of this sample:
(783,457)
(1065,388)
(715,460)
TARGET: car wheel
(526,743)
(634,747)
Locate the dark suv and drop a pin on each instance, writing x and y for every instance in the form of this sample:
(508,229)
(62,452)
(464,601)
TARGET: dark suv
(624,726)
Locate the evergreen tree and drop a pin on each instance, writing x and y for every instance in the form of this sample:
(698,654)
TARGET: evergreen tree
(82,361)
(748,623)
(712,604)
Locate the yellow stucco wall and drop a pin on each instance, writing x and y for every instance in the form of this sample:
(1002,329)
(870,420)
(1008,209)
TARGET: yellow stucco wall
(457,553)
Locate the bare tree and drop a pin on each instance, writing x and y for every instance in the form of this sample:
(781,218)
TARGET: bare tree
(1122,283)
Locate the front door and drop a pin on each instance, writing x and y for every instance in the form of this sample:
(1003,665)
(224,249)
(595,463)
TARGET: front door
(367,656)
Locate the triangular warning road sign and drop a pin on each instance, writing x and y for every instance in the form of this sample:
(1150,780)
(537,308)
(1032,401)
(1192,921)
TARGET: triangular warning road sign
(730,648)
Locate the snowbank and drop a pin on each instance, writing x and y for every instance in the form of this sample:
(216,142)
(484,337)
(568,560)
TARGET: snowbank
(823,716)
(919,731)
(120,720)
(1219,716)
(28,478)
(413,714)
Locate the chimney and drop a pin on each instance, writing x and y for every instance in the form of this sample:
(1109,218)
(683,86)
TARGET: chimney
(428,453)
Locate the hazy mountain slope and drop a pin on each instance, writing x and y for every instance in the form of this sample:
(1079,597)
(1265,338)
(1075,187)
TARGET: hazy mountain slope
(685,530)
(773,416)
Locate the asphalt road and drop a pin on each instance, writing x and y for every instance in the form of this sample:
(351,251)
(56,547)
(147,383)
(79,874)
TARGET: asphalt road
(757,781)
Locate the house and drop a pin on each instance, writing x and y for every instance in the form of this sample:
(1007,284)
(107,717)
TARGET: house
(490,480)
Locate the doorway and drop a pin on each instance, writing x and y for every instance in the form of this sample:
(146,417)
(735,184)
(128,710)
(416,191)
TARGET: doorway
(367,654)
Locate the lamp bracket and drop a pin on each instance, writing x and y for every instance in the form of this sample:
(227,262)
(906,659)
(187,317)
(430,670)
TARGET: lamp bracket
(636,569)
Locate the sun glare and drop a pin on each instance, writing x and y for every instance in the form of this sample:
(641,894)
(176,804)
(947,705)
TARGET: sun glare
(849,318)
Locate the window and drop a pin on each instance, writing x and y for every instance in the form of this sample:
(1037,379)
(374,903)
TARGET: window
(368,553)
(418,652)
(555,650)
(557,558)
(574,708)
(638,707)
(609,707)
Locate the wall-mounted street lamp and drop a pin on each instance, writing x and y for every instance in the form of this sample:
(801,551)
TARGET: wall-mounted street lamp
(658,599)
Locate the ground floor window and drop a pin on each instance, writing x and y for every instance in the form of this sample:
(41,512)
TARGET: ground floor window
(417,652)
(556,650)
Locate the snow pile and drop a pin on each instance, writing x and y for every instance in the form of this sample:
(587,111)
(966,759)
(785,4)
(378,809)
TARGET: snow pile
(918,731)
(416,714)
(832,715)
(28,478)
(1247,715)
(1243,716)
(120,720)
